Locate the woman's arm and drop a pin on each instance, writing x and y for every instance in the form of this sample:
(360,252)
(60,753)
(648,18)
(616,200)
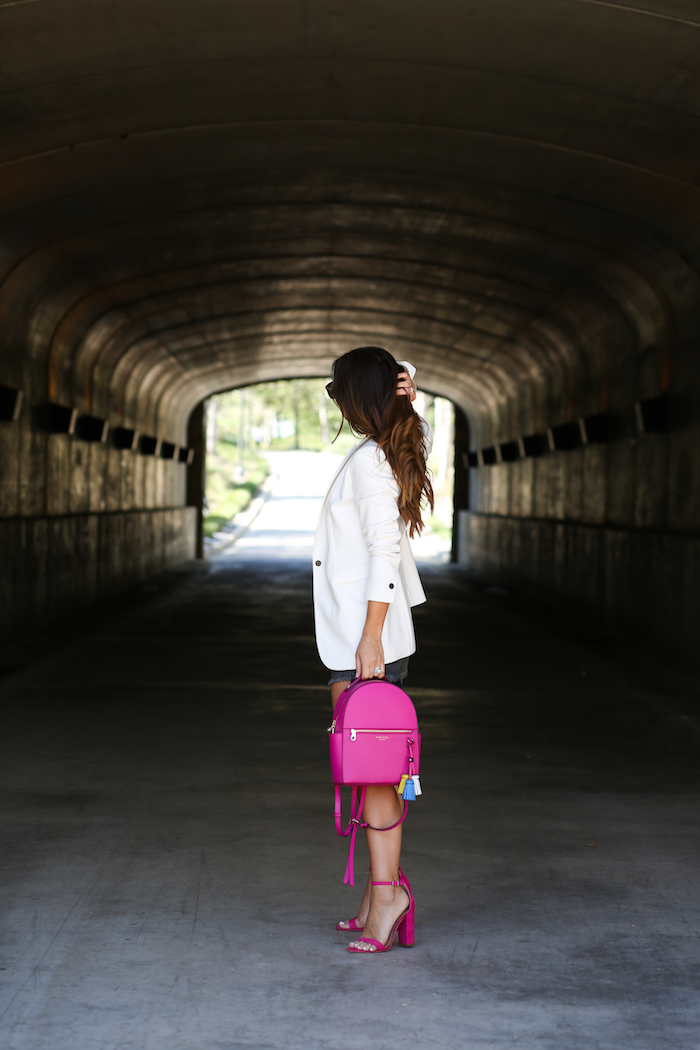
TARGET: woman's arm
(376,500)
(406,384)
(370,652)
(376,494)
(407,387)
(377,528)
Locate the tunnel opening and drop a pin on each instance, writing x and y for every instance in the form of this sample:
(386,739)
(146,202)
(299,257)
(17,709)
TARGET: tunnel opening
(253,436)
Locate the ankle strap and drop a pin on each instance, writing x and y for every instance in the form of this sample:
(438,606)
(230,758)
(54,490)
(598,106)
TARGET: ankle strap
(396,883)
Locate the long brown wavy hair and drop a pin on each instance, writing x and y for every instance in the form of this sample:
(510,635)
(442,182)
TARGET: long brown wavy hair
(364,388)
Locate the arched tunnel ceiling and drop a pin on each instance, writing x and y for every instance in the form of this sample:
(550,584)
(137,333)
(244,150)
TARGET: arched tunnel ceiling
(195,196)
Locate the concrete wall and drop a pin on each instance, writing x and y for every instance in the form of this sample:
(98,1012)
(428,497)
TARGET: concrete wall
(60,474)
(611,527)
(53,565)
(637,480)
(81,520)
(644,581)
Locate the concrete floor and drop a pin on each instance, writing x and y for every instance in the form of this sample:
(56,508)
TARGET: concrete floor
(170,873)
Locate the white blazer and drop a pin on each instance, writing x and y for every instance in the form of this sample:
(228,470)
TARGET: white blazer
(361,553)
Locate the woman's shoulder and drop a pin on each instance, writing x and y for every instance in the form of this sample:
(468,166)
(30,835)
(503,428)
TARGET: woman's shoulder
(370,459)
(368,451)
(370,473)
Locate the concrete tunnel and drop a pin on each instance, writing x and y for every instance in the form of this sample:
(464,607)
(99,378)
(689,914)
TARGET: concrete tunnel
(196,197)
(507,196)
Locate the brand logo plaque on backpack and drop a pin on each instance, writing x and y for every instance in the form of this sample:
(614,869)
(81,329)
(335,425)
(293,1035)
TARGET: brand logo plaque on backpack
(374,739)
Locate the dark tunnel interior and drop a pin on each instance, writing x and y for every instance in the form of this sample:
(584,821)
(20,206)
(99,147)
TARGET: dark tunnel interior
(194,202)
(199,197)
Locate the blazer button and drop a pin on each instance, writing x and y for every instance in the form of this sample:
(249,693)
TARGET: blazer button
(391,586)
(318,563)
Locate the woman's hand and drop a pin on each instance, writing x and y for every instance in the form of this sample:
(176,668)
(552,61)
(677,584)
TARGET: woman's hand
(369,658)
(406,387)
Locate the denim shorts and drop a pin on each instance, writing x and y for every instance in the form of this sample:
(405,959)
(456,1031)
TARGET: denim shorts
(395,672)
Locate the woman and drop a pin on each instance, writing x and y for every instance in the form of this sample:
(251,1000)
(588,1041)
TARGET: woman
(366,581)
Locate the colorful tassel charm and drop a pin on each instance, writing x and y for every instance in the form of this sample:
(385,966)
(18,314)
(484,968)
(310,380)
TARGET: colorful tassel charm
(409,793)
(402,783)
(416,785)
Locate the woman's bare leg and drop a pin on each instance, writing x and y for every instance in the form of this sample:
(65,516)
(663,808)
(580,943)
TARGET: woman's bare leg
(382,809)
(336,689)
(381,905)
(361,917)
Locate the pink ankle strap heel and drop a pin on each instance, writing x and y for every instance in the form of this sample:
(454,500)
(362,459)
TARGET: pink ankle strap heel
(405,927)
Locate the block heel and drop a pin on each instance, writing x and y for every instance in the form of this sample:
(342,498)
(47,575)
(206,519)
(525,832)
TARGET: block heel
(404,926)
(406,933)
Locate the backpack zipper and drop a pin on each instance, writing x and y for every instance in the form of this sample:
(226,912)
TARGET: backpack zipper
(354,732)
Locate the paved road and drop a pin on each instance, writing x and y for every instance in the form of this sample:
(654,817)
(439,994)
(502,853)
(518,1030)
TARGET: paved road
(286,524)
(170,873)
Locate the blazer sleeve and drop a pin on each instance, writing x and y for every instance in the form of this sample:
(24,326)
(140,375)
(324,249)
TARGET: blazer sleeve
(376,498)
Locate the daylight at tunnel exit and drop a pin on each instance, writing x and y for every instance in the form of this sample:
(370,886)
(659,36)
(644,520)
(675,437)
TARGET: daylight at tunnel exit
(349,524)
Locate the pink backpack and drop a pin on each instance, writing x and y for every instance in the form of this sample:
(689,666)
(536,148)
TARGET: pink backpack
(374,739)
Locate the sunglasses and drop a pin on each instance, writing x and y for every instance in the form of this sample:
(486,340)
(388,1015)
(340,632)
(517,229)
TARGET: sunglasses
(329,391)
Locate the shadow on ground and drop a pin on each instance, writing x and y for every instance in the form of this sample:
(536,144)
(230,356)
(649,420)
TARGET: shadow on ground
(171,876)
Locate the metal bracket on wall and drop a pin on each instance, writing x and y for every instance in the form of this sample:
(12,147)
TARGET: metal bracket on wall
(491,455)
(149,445)
(55,418)
(533,445)
(92,428)
(510,451)
(10,404)
(564,437)
(595,429)
(651,414)
(125,438)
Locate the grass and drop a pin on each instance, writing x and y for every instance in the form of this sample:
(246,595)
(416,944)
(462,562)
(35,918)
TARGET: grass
(310,441)
(439,528)
(227,495)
